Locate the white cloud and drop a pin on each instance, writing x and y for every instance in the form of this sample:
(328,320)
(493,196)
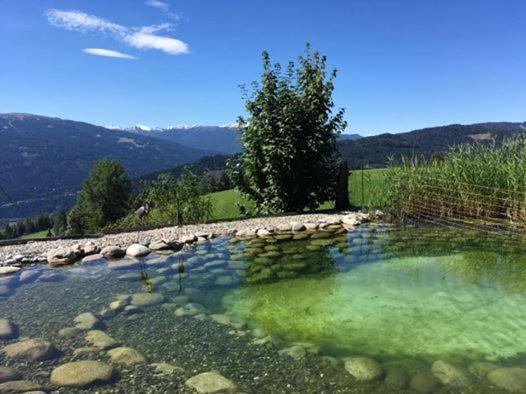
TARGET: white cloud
(169,45)
(138,37)
(107,53)
(158,4)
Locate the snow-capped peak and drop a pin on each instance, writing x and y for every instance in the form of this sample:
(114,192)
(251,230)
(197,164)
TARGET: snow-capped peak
(143,127)
(113,127)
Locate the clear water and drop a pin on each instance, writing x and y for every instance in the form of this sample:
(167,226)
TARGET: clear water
(384,292)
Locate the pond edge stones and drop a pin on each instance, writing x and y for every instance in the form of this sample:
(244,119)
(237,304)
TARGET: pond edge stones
(210,382)
(450,375)
(364,369)
(31,349)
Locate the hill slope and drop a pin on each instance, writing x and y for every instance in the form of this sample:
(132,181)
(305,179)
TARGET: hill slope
(374,151)
(44,160)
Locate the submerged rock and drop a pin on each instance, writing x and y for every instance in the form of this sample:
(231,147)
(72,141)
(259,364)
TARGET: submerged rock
(126,355)
(19,386)
(81,374)
(147,299)
(450,375)
(481,368)
(7,329)
(87,321)
(424,382)
(166,369)
(28,276)
(92,257)
(296,352)
(100,339)
(511,379)
(8,374)
(210,382)
(364,369)
(68,332)
(31,349)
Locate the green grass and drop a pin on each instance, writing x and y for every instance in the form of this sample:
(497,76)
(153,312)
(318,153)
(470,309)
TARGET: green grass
(225,202)
(39,234)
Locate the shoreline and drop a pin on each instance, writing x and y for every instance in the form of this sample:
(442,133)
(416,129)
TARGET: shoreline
(35,251)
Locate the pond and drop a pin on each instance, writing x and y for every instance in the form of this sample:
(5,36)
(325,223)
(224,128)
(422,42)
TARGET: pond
(378,309)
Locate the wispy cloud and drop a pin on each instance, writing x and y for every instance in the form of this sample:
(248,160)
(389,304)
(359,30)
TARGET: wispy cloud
(164,7)
(141,38)
(107,53)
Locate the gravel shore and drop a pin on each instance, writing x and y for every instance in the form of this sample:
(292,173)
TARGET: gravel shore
(169,233)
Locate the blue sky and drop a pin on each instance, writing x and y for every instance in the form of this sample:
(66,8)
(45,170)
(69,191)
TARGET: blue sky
(402,64)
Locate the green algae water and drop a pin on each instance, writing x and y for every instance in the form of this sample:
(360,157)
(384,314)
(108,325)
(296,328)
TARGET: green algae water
(284,312)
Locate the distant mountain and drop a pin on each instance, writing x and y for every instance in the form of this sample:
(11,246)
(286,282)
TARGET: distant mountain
(43,160)
(218,139)
(375,151)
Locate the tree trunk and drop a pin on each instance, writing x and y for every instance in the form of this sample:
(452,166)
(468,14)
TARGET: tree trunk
(342,188)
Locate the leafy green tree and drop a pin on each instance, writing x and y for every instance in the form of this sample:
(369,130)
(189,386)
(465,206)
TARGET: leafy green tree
(104,198)
(289,158)
(59,222)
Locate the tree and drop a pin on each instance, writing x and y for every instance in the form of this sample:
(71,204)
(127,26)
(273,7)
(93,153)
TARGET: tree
(289,158)
(104,198)
(59,223)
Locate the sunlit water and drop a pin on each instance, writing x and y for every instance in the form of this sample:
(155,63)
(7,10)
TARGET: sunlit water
(383,292)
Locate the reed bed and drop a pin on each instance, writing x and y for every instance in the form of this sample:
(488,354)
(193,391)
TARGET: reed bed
(474,184)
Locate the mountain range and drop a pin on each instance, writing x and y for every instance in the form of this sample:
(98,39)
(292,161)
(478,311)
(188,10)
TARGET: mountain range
(43,160)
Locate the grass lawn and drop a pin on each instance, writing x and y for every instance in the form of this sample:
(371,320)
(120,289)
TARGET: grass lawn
(224,203)
(39,234)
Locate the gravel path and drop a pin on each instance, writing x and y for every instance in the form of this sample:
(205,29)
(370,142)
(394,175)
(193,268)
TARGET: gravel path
(168,233)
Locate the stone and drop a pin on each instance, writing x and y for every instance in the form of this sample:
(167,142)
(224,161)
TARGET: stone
(510,379)
(225,280)
(147,299)
(297,226)
(87,321)
(61,256)
(112,252)
(92,257)
(263,232)
(130,277)
(166,369)
(364,369)
(31,349)
(68,332)
(209,383)
(90,248)
(284,227)
(28,276)
(296,352)
(481,368)
(188,239)
(450,375)
(100,339)
(7,329)
(9,270)
(51,277)
(350,220)
(118,305)
(81,374)
(159,245)
(86,351)
(7,374)
(190,309)
(300,236)
(126,356)
(137,250)
(396,376)
(424,382)
(132,310)
(19,386)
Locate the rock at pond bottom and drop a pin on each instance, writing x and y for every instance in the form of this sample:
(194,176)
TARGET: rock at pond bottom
(364,369)
(126,356)
(511,379)
(147,299)
(210,382)
(81,374)
(424,382)
(8,374)
(7,330)
(296,352)
(19,386)
(450,375)
(31,349)
(100,339)
(68,332)
(166,369)
(87,321)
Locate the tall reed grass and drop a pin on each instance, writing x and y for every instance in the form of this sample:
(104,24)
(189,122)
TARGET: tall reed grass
(473,182)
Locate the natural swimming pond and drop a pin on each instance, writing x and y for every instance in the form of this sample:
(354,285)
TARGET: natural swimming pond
(433,309)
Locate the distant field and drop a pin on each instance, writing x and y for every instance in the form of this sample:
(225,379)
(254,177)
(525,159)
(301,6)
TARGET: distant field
(225,202)
(39,234)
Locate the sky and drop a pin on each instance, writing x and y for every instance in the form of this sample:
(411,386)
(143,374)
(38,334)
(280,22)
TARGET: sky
(402,64)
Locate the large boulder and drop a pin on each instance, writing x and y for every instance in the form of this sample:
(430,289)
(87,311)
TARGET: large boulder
(126,356)
(31,349)
(137,250)
(210,382)
(451,375)
(81,374)
(364,369)
(112,252)
(90,248)
(62,256)
(7,329)
(510,379)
